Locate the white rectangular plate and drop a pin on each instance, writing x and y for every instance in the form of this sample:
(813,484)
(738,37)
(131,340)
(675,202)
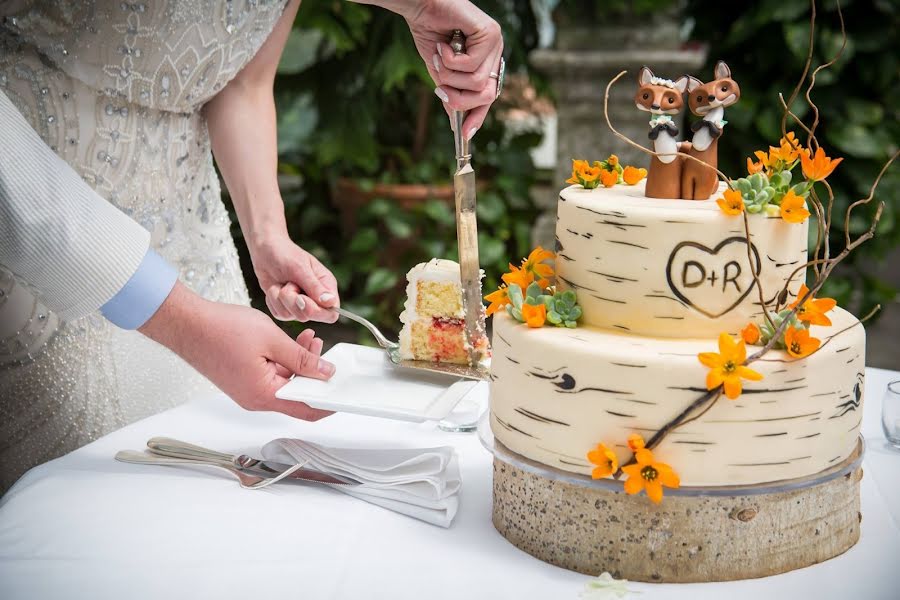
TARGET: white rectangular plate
(365,382)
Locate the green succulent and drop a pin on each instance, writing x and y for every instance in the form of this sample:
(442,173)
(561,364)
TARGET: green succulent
(767,330)
(757,191)
(563,309)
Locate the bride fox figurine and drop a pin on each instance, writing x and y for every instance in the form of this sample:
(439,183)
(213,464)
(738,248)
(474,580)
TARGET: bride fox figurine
(707,100)
(663,99)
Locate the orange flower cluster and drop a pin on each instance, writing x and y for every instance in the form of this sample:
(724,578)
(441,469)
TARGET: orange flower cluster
(608,173)
(797,340)
(779,157)
(726,367)
(646,474)
(533,269)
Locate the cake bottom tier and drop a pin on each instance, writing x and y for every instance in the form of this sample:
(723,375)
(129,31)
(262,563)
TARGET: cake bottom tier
(556,393)
(687,538)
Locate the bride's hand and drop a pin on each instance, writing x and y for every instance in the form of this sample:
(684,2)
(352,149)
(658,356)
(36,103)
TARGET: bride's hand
(465,81)
(296,284)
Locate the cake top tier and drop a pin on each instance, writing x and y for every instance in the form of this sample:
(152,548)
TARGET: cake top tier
(671,268)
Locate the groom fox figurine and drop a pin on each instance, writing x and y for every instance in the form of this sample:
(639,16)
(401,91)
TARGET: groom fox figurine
(707,100)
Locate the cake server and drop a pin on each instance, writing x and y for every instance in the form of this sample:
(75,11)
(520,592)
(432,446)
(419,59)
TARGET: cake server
(477,371)
(467,227)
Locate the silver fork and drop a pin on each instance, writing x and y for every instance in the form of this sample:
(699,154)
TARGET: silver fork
(247,481)
(165,446)
(478,372)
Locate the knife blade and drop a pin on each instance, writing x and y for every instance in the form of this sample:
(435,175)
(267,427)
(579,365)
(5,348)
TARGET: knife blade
(467,230)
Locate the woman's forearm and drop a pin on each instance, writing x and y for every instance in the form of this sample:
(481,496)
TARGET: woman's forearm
(404,8)
(242,129)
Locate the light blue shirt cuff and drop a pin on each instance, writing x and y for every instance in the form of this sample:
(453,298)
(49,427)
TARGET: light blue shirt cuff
(144,293)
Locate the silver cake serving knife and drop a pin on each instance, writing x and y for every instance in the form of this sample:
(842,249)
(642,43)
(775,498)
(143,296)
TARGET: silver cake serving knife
(467,228)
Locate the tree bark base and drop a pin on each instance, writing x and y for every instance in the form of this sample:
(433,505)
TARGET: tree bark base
(689,537)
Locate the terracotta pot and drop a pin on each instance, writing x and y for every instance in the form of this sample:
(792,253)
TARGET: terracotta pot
(406,195)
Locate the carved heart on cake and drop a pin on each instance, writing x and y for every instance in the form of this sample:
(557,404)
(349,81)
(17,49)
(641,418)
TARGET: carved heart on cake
(712,281)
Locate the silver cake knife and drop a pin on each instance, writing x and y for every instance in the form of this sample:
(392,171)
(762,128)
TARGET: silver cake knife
(467,228)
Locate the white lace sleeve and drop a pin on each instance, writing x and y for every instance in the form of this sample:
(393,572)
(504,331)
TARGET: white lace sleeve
(72,247)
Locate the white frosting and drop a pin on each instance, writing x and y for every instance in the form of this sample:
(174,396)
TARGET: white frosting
(436,269)
(616,248)
(558,392)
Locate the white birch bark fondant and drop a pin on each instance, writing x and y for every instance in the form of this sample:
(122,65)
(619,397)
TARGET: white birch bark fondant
(558,392)
(670,268)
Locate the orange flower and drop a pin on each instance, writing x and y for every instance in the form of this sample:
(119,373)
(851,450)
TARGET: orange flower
(612,161)
(762,164)
(518,276)
(791,148)
(605,461)
(635,442)
(726,368)
(633,175)
(539,269)
(590,174)
(534,314)
(813,310)
(818,167)
(798,343)
(577,167)
(649,475)
(731,203)
(498,300)
(793,208)
(608,178)
(750,333)
(753,167)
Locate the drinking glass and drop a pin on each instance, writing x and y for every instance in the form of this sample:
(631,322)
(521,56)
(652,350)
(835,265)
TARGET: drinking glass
(890,414)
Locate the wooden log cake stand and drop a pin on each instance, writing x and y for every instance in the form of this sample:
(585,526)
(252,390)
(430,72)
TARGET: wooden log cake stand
(694,535)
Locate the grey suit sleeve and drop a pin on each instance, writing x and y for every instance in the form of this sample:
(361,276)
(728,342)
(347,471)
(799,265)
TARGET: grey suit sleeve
(71,246)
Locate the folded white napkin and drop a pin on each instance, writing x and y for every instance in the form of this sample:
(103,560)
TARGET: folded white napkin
(421,482)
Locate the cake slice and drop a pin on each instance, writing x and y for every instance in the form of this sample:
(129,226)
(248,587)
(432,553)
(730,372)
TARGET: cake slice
(433,317)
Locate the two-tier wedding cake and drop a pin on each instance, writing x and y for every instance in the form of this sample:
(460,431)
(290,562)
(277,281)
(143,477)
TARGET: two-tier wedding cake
(671,398)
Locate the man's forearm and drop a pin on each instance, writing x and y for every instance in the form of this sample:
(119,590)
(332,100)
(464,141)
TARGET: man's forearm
(177,324)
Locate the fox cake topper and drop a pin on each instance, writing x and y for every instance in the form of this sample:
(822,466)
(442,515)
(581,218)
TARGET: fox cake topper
(671,175)
(663,99)
(709,101)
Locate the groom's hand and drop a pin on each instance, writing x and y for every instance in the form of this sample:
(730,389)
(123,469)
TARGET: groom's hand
(239,349)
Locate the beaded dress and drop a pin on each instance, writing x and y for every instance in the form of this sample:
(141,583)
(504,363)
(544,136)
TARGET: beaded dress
(116,89)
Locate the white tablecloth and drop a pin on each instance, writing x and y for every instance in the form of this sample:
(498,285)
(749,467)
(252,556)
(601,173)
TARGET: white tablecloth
(86,526)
